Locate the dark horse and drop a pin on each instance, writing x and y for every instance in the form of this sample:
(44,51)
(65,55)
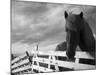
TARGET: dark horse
(78,33)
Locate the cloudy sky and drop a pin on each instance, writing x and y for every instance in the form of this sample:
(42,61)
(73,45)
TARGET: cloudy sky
(42,23)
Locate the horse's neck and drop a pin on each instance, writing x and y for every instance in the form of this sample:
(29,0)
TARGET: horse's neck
(86,24)
(88,28)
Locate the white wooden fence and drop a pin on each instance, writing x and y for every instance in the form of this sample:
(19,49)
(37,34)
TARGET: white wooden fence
(20,65)
(49,59)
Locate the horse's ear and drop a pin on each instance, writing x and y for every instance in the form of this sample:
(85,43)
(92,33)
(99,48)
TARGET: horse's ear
(66,14)
(81,14)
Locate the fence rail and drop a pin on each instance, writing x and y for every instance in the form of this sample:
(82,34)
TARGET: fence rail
(18,58)
(21,63)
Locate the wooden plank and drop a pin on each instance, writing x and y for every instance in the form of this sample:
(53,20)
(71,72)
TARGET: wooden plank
(21,69)
(79,54)
(77,60)
(56,65)
(29,72)
(66,64)
(85,55)
(20,63)
(73,65)
(18,58)
(49,62)
(51,53)
(41,69)
(79,66)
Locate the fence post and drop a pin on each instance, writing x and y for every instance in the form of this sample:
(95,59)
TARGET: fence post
(49,64)
(77,60)
(37,63)
(56,65)
(53,58)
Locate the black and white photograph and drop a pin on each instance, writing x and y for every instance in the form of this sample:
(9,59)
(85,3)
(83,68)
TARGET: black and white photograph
(52,37)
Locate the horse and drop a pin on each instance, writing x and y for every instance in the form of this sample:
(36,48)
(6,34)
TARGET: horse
(78,33)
